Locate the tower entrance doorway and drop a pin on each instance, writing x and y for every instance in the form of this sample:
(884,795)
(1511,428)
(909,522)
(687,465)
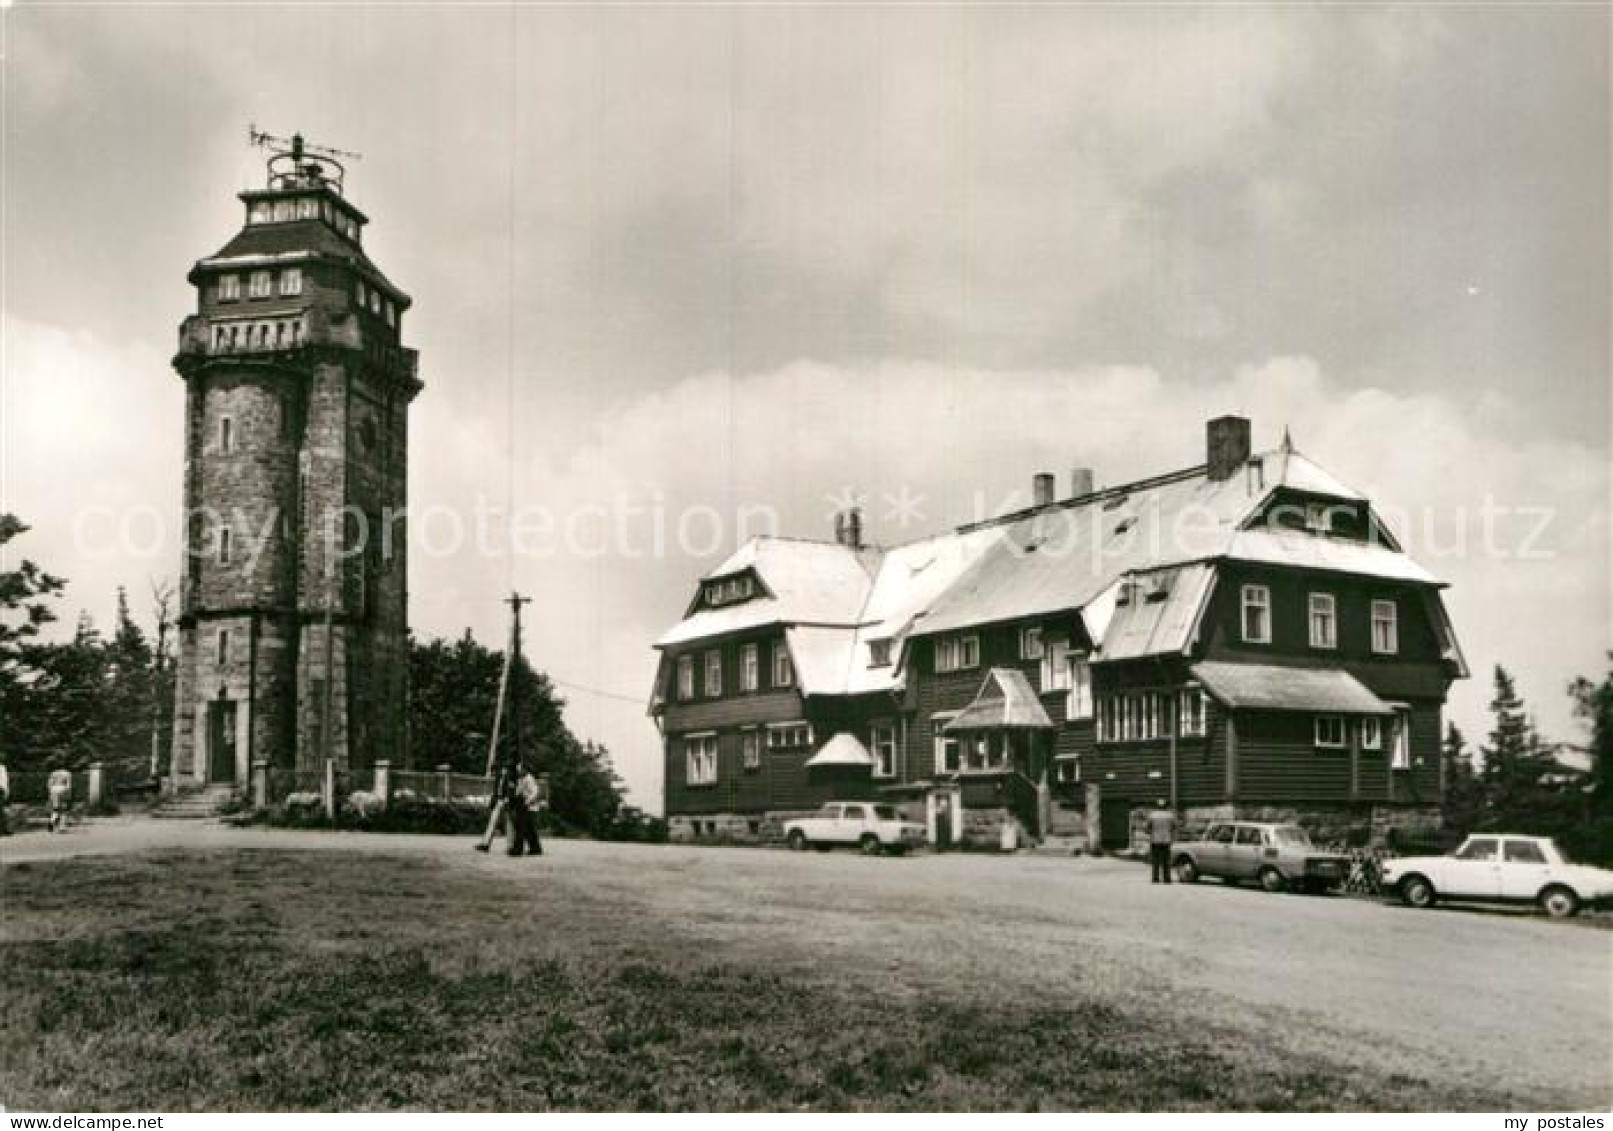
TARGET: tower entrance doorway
(221,741)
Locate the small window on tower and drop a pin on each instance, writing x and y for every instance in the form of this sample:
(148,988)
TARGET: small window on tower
(259,285)
(306,208)
(261,213)
(375,301)
(324,210)
(291,281)
(223,654)
(358,289)
(226,435)
(391,314)
(229,288)
(224,545)
(282,210)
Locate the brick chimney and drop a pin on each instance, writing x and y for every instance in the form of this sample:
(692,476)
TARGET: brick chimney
(1080,482)
(849,528)
(1226,445)
(1042,489)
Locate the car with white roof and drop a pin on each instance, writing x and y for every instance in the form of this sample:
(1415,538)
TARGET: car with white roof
(873,828)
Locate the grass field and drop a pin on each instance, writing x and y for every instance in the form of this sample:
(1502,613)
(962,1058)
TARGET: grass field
(272,979)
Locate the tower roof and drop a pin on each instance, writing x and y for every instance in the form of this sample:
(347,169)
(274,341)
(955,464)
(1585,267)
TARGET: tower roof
(310,238)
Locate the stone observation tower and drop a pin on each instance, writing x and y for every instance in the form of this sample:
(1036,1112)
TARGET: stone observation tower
(293,603)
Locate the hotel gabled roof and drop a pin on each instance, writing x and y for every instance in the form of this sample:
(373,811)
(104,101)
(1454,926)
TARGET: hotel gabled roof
(1162,534)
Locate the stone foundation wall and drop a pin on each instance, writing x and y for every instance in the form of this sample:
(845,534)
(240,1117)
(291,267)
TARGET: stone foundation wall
(1356,826)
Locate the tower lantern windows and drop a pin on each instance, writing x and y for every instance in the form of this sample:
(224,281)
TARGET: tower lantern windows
(282,210)
(307,208)
(261,212)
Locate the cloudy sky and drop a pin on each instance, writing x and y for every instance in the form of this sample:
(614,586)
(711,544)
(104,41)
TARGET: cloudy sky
(671,258)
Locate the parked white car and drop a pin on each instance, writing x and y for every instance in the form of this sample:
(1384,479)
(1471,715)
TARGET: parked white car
(871,827)
(1500,868)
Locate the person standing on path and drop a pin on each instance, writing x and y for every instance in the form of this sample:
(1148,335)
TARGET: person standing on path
(1161,832)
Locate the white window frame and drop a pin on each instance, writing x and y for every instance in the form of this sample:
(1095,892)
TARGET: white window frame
(783,666)
(943,742)
(711,684)
(1055,665)
(1371,731)
(1031,643)
(1079,704)
(1386,613)
(1255,597)
(1327,742)
(1192,712)
(1400,738)
(957,653)
(700,759)
(885,734)
(291,281)
(686,677)
(229,288)
(750,667)
(260,284)
(1322,616)
(789,736)
(750,748)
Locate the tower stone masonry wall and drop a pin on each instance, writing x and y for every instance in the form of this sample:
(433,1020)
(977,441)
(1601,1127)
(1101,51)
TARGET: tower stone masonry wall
(298,445)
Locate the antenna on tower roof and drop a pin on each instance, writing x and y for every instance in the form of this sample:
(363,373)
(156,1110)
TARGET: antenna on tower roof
(296,163)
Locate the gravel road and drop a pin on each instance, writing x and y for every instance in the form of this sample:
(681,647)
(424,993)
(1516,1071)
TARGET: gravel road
(1512,1001)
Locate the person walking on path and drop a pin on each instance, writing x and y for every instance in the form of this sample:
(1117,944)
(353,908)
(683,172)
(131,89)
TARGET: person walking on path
(1161,832)
(522,829)
(60,787)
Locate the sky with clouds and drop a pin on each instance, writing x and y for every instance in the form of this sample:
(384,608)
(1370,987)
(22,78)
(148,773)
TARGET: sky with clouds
(673,259)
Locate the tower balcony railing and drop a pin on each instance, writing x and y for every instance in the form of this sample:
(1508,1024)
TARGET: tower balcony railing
(201,337)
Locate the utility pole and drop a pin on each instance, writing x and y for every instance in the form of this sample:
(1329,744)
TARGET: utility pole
(515,601)
(509,696)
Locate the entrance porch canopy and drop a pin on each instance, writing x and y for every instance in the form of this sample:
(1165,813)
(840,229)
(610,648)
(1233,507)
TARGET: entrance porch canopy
(1005,701)
(842,750)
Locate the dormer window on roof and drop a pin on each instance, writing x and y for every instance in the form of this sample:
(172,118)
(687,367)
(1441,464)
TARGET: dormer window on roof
(729,591)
